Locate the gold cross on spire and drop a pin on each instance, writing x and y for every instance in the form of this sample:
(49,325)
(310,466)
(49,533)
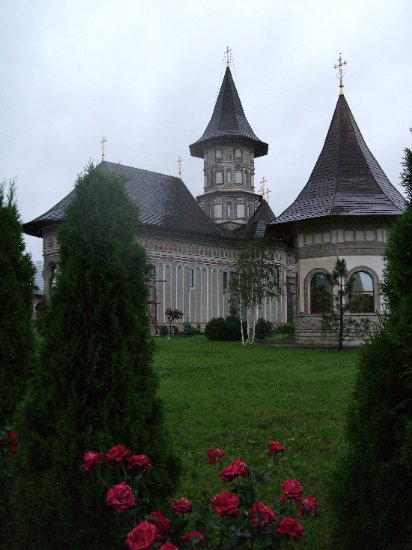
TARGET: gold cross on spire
(228,56)
(179,162)
(263,190)
(339,66)
(102,144)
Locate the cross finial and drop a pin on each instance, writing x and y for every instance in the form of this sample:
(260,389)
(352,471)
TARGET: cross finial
(339,66)
(263,190)
(179,162)
(102,144)
(228,55)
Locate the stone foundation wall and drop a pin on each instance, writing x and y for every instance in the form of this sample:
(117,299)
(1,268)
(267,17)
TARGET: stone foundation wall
(308,331)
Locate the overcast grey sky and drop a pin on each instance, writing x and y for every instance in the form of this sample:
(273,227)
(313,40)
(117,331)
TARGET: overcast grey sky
(146,75)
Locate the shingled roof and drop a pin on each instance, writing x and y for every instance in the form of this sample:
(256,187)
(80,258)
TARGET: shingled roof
(346,180)
(228,122)
(256,226)
(164,201)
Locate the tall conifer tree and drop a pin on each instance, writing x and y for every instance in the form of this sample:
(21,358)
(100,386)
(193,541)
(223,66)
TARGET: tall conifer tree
(373,489)
(95,387)
(16,295)
(16,333)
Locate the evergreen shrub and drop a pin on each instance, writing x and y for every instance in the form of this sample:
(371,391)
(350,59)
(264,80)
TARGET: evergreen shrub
(16,334)
(372,491)
(95,386)
(223,329)
(16,295)
(263,329)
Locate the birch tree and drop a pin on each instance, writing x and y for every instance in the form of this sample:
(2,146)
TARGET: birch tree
(257,279)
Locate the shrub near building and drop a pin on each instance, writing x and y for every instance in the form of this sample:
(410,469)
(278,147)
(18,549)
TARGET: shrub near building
(373,488)
(95,386)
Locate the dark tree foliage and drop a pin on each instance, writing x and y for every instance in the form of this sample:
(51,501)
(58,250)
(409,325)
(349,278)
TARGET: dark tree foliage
(95,387)
(373,488)
(16,334)
(16,294)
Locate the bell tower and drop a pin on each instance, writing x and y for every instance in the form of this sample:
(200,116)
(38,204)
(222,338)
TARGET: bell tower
(228,148)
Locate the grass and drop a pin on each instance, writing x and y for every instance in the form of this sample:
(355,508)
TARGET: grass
(221,394)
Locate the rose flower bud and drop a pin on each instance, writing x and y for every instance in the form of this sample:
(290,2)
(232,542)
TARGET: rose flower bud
(142,536)
(291,489)
(274,447)
(236,469)
(162,523)
(117,454)
(168,546)
(214,455)
(225,504)
(120,497)
(260,515)
(141,463)
(181,506)
(90,459)
(310,505)
(194,536)
(290,527)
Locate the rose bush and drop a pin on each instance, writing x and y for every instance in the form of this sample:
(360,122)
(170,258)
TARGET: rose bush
(235,518)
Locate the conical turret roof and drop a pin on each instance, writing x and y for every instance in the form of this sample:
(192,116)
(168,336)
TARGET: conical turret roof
(228,122)
(346,180)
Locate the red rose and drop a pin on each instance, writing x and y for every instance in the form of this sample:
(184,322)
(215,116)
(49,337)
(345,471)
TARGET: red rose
(168,546)
(120,497)
(117,454)
(90,459)
(260,515)
(181,506)
(310,505)
(138,462)
(194,536)
(236,469)
(274,447)
(290,527)
(12,438)
(225,504)
(291,489)
(162,523)
(214,455)
(142,536)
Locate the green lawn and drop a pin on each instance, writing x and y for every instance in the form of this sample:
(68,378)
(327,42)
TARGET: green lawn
(221,394)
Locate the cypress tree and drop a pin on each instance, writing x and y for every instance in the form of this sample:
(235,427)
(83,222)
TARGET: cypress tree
(95,387)
(372,492)
(16,295)
(16,334)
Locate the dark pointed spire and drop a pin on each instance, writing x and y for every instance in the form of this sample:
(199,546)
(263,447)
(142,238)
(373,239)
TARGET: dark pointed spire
(228,122)
(346,180)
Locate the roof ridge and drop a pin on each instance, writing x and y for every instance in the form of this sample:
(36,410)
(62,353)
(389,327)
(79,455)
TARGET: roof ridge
(139,169)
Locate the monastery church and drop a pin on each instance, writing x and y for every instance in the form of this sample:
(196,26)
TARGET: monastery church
(345,210)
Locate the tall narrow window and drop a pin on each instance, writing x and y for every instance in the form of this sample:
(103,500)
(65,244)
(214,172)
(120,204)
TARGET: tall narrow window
(229,211)
(225,280)
(191,277)
(320,294)
(362,293)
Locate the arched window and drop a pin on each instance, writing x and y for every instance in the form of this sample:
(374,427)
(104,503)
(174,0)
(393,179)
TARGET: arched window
(362,298)
(320,294)
(229,209)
